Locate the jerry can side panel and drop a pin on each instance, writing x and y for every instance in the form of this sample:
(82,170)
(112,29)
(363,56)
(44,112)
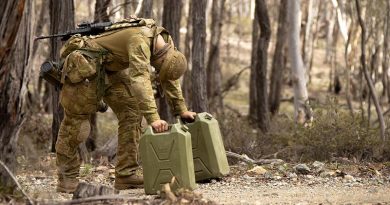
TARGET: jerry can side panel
(212,145)
(188,164)
(220,160)
(163,157)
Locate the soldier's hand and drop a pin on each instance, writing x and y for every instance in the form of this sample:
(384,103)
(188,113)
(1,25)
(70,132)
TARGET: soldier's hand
(160,125)
(188,115)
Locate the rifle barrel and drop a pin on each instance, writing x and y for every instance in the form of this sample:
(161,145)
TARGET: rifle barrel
(50,36)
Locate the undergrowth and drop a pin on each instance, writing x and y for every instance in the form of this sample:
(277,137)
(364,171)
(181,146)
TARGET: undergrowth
(334,133)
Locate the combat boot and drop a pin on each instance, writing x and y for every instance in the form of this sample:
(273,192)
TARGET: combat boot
(67,185)
(132,181)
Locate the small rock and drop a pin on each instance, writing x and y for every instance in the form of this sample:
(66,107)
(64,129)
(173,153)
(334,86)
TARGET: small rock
(282,168)
(377,173)
(259,170)
(268,175)
(302,169)
(318,166)
(292,175)
(309,176)
(349,178)
(102,168)
(328,174)
(277,177)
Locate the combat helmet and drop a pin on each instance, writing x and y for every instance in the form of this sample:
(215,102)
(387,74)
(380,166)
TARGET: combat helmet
(170,63)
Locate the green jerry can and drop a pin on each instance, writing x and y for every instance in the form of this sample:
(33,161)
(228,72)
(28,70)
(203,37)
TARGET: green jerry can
(207,148)
(167,155)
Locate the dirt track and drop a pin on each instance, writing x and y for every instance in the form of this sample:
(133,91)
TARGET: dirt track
(356,184)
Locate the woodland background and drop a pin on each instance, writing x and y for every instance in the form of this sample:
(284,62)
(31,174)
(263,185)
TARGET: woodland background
(296,80)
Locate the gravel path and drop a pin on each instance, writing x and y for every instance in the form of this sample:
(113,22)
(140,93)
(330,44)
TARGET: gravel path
(275,184)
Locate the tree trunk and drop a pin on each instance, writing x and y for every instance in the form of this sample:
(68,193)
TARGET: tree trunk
(198,74)
(331,20)
(340,20)
(214,76)
(187,85)
(302,109)
(261,66)
(101,14)
(146,9)
(366,73)
(38,83)
(278,62)
(171,22)
(252,82)
(127,8)
(307,41)
(386,55)
(15,48)
(348,70)
(61,20)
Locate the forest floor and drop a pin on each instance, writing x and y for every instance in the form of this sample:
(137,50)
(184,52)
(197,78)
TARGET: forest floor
(342,182)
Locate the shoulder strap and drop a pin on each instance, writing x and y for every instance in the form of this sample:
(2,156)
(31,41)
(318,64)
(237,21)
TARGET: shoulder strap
(158,31)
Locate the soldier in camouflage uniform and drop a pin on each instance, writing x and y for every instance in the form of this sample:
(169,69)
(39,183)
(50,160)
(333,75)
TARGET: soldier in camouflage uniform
(128,53)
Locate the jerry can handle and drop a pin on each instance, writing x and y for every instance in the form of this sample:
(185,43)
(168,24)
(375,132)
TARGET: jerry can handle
(150,130)
(181,121)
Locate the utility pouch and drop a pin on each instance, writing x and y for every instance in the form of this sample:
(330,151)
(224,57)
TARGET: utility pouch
(51,72)
(78,66)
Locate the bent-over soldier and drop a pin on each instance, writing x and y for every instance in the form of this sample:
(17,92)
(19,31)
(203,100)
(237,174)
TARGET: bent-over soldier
(114,66)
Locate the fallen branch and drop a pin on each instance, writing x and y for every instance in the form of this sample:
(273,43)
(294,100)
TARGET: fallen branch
(16,182)
(231,82)
(96,199)
(292,99)
(384,114)
(248,160)
(235,111)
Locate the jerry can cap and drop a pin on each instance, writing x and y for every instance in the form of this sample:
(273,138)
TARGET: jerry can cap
(208,116)
(185,128)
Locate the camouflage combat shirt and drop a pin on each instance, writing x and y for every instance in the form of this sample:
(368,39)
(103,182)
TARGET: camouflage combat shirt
(131,48)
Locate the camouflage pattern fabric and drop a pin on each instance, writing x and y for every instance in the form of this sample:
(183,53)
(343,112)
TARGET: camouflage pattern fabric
(79,101)
(128,92)
(131,48)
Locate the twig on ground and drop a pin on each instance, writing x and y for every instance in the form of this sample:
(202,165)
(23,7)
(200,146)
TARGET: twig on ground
(16,182)
(274,155)
(248,160)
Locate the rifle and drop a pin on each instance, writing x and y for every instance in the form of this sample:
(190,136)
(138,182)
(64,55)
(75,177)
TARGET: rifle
(85,28)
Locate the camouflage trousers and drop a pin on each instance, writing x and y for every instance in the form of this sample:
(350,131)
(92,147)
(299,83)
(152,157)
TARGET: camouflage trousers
(79,102)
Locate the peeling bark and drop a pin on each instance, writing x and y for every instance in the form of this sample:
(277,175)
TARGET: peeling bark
(14,62)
